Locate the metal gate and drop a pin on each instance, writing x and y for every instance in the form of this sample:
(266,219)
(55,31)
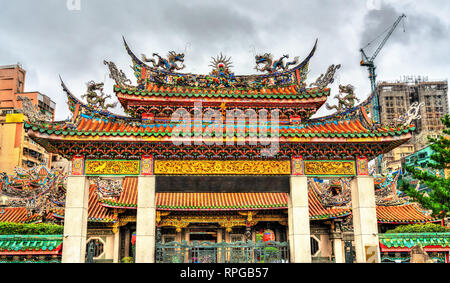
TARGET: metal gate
(235,252)
(349,252)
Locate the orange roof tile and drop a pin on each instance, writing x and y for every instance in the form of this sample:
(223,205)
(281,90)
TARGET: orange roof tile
(408,213)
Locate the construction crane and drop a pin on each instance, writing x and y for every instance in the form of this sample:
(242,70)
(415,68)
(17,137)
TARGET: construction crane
(368,62)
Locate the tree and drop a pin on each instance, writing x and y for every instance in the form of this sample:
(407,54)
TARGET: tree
(438,197)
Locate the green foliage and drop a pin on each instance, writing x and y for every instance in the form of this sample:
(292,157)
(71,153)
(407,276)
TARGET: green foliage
(438,199)
(8,228)
(419,228)
(128,259)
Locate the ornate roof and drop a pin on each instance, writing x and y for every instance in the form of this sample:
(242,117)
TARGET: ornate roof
(95,132)
(404,242)
(351,132)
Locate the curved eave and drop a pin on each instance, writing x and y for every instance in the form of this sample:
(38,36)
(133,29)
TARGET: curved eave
(300,65)
(104,114)
(163,137)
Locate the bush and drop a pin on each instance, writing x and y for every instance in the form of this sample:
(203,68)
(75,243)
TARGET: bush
(128,259)
(419,228)
(8,228)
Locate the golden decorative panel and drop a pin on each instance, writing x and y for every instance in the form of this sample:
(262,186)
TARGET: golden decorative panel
(330,168)
(222,167)
(112,167)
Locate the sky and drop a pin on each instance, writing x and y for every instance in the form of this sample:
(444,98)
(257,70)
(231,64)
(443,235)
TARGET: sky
(71,38)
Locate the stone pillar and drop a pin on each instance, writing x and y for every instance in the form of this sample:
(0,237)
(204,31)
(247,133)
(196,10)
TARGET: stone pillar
(145,221)
(365,219)
(75,220)
(127,242)
(298,214)
(336,237)
(338,250)
(116,258)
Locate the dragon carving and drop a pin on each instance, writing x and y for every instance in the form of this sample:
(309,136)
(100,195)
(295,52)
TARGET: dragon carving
(97,100)
(116,74)
(328,78)
(270,65)
(410,115)
(31,111)
(169,64)
(345,102)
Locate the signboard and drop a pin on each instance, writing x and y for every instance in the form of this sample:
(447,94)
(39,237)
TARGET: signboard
(371,252)
(112,167)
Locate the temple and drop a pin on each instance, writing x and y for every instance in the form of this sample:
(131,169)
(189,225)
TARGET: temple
(222,167)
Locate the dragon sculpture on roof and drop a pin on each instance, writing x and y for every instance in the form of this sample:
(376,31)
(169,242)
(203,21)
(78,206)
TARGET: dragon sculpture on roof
(31,111)
(170,64)
(345,102)
(97,100)
(328,78)
(270,65)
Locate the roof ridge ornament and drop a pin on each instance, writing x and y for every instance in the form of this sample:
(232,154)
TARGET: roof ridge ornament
(328,78)
(169,64)
(411,114)
(116,74)
(31,111)
(345,102)
(270,65)
(96,100)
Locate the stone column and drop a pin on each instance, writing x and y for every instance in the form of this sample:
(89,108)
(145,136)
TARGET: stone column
(75,220)
(116,258)
(298,214)
(145,221)
(365,219)
(336,237)
(338,251)
(127,242)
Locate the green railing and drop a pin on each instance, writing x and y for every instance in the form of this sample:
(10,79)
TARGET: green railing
(235,252)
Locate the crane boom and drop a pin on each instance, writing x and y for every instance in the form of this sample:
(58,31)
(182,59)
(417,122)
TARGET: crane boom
(369,62)
(365,61)
(387,36)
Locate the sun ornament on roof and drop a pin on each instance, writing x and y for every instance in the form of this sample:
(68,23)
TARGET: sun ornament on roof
(270,65)
(170,64)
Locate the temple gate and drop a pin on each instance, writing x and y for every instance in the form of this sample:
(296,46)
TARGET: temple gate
(203,130)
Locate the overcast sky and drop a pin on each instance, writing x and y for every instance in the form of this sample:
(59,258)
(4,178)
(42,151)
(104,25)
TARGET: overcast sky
(49,39)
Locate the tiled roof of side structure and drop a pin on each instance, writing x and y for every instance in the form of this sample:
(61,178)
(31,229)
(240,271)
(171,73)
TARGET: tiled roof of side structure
(31,244)
(402,214)
(404,242)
